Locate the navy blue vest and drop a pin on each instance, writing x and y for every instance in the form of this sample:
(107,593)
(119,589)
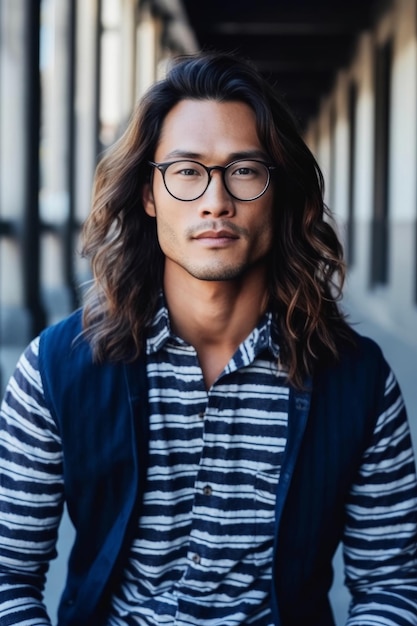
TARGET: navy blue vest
(101,413)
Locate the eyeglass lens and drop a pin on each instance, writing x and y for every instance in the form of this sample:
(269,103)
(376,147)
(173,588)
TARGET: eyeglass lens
(188,180)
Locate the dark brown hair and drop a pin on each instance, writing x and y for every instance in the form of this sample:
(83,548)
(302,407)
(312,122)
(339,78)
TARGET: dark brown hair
(305,269)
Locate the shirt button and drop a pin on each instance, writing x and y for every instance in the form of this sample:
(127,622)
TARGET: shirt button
(207,490)
(201,414)
(196,558)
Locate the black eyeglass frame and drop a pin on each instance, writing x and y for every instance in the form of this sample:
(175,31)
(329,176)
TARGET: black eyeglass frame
(162,167)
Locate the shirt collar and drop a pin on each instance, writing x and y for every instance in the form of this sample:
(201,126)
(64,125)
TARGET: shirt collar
(160,330)
(263,337)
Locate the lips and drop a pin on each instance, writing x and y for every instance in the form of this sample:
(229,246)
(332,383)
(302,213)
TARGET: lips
(216,234)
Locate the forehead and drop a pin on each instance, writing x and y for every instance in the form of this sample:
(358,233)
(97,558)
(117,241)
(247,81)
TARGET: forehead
(208,128)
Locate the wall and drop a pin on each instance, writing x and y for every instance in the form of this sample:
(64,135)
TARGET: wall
(352,186)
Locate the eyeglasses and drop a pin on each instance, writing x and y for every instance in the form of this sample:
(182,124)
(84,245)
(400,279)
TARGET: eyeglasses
(188,180)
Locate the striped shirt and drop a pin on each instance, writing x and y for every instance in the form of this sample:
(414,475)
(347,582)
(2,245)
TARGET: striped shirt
(197,513)
(203,548)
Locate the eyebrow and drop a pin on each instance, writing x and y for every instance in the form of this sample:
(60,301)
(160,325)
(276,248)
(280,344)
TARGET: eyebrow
(233,156)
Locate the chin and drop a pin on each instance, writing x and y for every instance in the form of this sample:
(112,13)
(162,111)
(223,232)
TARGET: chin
(217,274)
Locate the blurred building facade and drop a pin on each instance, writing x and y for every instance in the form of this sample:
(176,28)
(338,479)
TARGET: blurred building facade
(70,73)
(365,139)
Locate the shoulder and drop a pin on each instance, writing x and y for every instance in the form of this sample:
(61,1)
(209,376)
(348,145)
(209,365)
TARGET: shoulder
(63,347)
(349,393)
(357,351)
(65,338)
(361,347)
(70,328)
(360,366)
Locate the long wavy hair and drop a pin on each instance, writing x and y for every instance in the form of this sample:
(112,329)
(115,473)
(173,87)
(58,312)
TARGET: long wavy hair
(305,266)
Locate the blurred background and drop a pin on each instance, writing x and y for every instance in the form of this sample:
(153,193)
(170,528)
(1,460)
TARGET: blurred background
(70,73)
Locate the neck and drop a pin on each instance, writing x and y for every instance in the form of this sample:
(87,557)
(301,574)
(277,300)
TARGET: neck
(215,316)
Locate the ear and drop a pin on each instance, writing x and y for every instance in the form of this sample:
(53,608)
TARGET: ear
(148,200)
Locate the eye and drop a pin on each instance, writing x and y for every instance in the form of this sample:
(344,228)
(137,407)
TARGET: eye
(185,169)
(188,172)
(245,169)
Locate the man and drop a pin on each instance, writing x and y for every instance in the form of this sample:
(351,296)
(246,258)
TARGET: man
(213,423)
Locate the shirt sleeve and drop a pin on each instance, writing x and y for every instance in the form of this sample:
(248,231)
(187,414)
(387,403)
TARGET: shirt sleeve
(31,494)
(380,542)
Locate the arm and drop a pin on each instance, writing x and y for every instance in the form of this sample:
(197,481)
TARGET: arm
(31,494)
(380,541)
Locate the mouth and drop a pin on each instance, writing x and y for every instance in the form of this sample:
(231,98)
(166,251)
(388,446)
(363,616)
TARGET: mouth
(217,235)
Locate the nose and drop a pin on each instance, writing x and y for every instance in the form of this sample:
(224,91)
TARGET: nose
(216,201)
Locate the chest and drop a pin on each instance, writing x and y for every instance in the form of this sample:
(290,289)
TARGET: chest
(236,428)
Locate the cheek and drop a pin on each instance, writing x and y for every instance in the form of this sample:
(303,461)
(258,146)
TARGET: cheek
(167,230)
(265,230)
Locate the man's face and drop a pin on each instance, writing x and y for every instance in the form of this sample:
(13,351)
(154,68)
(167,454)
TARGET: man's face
(214,237)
